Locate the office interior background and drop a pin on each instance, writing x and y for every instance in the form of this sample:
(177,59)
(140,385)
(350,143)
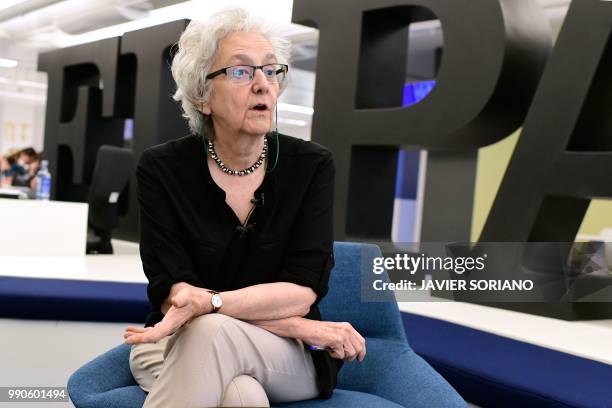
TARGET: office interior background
(52,25)
(45,352)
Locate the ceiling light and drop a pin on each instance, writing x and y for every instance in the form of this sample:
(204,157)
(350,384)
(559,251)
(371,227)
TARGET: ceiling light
(293,122)
(7,63)
(23,82)
(31,84)
(9,3)
(23,96)
(273,10)
(288,107)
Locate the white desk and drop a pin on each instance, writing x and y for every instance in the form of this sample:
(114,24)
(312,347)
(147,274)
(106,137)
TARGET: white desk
(590,339)
(113,268)
(42,228)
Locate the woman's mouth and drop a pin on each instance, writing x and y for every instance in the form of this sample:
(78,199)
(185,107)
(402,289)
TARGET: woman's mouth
(260,107)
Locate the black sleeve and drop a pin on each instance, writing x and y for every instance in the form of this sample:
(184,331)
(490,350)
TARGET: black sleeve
(165,259)
(309,255)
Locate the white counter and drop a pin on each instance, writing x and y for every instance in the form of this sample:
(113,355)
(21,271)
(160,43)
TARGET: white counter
(42,228)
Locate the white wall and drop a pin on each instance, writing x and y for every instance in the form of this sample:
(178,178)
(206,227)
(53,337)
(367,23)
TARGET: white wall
(22,98)
(21,123)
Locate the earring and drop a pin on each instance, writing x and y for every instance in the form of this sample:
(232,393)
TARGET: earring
(202,119)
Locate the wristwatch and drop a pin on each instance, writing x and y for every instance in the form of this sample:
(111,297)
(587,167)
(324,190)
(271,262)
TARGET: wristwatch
(215,301)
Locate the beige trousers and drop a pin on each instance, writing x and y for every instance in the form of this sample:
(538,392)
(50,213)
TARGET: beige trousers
(216,360)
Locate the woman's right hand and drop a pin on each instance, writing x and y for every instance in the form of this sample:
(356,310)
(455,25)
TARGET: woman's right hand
(341,338)
(184,303)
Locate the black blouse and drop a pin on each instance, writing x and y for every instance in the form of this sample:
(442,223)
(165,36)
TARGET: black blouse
(188,233)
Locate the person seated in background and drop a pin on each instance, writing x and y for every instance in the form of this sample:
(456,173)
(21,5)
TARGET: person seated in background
(4,169)
(23,167)
(4,164)
(7,170)
(35,164)
(34,168)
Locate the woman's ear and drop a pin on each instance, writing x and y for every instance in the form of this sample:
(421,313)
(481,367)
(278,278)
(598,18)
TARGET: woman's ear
(205,108)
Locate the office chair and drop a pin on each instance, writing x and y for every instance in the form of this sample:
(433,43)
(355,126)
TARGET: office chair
(111,174)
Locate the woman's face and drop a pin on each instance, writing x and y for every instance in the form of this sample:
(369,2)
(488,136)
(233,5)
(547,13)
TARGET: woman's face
(232,105)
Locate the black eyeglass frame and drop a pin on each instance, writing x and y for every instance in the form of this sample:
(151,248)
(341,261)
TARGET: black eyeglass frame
(284,67)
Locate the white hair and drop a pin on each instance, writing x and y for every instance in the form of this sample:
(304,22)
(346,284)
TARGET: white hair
(198,47)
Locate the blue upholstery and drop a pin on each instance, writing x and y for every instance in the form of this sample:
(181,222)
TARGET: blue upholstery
(391,375)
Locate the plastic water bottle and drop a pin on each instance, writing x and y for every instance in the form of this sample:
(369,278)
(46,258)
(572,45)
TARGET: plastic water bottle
(43,182)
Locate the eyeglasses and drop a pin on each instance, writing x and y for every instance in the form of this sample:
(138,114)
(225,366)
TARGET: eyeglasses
(243,74)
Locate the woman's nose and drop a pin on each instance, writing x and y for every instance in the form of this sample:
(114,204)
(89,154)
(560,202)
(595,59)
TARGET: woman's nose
(260,82)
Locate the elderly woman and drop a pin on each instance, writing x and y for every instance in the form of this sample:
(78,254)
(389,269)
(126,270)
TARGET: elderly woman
(236,236)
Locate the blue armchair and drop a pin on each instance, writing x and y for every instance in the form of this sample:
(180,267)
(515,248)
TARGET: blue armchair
(391,375)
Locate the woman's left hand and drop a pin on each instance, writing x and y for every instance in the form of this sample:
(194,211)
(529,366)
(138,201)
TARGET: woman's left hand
(186,305)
